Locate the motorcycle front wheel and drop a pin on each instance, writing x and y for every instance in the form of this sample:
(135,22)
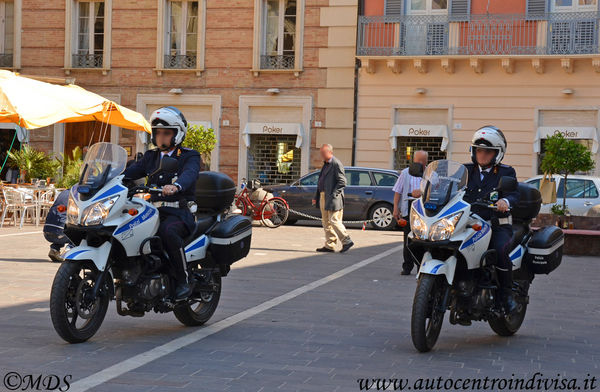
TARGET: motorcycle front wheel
(75,316)
(203,304)
(427,317)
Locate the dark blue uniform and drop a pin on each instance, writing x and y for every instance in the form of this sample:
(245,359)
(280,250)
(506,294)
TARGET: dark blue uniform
(501,234)
(175,223)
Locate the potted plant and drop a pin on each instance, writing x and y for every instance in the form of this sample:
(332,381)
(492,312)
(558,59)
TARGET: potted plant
(564,156)
(71,168)
(33,163)
(201,139)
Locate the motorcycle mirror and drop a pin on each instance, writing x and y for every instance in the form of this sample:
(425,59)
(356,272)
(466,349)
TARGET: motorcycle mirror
(415,169)
(168,165)
(507,184)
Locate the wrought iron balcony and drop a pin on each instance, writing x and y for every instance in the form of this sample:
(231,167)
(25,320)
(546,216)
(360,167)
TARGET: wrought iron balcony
(87,61)
(185,61)
(277,62)
(430,35)
(6,60)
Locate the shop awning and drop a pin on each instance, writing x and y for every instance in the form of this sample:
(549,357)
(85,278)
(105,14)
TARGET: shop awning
(419,131)
(590,133)
(255,128)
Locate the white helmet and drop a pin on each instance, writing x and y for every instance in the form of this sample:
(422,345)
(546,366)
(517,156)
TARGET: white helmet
(489,137)
(171,118)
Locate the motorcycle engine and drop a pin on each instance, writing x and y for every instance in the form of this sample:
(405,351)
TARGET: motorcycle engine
(484,299)
(157,286)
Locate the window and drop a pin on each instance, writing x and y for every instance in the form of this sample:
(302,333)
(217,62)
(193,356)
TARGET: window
(89,35)
(427,6)
(384,179)
(310,180)
(577,189)
(279,40)
(7,36)
(358,178)
(181,43)
(574,5)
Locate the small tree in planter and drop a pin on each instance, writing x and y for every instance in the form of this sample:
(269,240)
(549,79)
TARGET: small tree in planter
(202,140)
(564,157)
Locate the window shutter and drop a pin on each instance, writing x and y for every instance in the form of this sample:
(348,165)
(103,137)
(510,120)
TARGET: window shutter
(394,7)
(536,8)
(459,10)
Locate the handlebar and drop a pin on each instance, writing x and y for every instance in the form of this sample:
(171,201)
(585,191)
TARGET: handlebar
(143,189)
(487,205)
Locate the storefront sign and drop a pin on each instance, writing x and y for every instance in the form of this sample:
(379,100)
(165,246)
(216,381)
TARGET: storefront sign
(273,129)
(399,130)
(590,133)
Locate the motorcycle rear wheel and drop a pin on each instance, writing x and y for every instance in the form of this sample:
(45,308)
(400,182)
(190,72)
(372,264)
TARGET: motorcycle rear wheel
(197,311)
(69,289)
(426,322)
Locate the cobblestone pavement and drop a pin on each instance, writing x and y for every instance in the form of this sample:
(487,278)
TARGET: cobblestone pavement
(325,339)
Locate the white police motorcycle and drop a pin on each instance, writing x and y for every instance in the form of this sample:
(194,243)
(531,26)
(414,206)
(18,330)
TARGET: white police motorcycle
(118,255)
(456,269)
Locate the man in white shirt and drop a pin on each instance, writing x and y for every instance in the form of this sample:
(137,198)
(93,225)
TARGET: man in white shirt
(406,189)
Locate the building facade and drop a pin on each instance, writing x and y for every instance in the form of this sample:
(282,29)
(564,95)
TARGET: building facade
(433,71)
(273,78)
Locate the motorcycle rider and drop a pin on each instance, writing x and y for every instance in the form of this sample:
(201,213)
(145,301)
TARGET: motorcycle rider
(488,147)
(169,128)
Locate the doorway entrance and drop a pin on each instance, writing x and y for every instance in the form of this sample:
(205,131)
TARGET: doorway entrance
(84,134)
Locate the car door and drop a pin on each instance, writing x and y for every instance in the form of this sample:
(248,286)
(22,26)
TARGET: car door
(581,195)
(384,184)
(299,195)
(358,193)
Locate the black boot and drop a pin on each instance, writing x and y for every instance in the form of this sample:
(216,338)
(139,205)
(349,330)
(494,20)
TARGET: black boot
(508,300)
(183,291)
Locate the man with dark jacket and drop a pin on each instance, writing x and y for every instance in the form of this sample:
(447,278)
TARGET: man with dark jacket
(169,127)
(330,199)
(487,150)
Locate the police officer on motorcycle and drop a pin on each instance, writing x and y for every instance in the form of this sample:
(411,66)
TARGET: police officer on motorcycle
(169,128)
(488,147)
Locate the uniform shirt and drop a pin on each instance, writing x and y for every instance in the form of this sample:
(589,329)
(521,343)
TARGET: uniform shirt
(409,182)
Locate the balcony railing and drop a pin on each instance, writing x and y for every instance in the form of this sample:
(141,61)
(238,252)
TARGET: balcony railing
(184,61)
(87,60)
(6,60)
(429,35)
(277,62)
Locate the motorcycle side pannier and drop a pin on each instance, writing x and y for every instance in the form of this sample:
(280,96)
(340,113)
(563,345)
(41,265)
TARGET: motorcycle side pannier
(544,250)
(230,239)
(214,191)
(530,201)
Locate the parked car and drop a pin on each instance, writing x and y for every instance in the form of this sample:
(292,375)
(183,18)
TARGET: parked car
(368,195)
(582,192)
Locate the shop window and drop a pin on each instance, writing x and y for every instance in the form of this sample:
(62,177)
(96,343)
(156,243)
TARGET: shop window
(273,159)
(586,142)
(408,145)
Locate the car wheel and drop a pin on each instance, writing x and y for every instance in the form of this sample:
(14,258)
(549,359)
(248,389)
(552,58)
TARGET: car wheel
(382,217)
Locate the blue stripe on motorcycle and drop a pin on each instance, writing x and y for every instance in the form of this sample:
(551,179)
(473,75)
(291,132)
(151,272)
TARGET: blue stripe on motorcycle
(111,191)
(516,253)
(476,236)
(456,207)
(197,245)
(418,207)
(74,254)
(436,268)
(140,218)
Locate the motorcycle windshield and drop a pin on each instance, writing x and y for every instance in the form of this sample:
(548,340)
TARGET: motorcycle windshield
(102,163)
(442,180)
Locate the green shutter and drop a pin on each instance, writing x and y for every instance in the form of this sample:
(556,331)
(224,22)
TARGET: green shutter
(394,7)
(459,10)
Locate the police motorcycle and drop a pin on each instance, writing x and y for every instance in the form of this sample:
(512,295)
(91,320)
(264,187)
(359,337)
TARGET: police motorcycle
(456,269)
(118,255)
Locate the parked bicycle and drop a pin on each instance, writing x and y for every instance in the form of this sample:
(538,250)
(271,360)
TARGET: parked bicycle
(271,211)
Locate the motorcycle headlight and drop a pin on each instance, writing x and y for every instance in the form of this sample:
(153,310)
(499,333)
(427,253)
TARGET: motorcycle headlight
(443,229)
(72,211)
(417,225)
(97,212)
